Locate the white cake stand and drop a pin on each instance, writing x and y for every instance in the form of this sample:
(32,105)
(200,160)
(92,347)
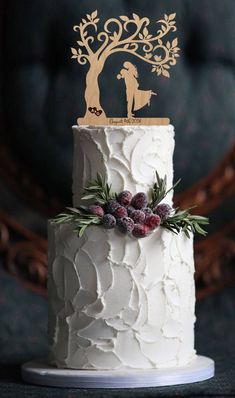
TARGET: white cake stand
(39,372)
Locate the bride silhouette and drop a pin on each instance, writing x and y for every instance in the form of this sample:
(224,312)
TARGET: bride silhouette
(136,99)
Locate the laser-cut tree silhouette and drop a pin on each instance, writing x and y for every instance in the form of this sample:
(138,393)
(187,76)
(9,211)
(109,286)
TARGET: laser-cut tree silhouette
(116,38)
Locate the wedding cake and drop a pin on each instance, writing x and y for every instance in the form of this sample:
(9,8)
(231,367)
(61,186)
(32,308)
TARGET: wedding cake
(120,301)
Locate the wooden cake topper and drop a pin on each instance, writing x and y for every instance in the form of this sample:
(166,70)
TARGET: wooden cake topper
(116,38)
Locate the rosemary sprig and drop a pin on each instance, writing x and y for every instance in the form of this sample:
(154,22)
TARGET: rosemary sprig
(81,217)
(99,190)
(183,220)
(159,190)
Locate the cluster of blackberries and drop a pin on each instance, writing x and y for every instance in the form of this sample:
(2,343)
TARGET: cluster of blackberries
(131,214)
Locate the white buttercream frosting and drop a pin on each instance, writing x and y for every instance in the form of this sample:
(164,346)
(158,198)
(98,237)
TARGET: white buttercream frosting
(127,156)
(120,302)
(116,301)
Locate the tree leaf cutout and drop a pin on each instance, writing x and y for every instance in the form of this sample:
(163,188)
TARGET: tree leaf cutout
(74,51)
(136,17)
(175,42)
(172,16)
(124,18)
(115,35)
(145,32)
(148,55)
(158,58)
(165,73)
(94,14)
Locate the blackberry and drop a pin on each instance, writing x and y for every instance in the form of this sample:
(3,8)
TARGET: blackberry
(125,225)
(108,221)
(140,230)
(96,210)
(139,200)
(120,212)
(153,221)
(124,198)
(163,210)
(147,211)
(111,206)
(138,216)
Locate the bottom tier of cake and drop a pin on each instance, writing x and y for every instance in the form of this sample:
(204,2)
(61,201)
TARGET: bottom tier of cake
(120,302)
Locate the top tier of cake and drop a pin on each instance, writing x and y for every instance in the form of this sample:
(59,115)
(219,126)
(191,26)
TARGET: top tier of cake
(127,156)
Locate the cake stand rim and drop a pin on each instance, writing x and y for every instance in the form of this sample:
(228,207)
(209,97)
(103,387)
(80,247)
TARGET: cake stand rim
(40,373)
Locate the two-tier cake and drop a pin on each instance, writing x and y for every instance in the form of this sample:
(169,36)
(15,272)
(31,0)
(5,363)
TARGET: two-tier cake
(117,301)
(121,286)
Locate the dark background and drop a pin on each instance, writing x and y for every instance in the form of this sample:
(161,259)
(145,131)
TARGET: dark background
(43,88)
(41,95)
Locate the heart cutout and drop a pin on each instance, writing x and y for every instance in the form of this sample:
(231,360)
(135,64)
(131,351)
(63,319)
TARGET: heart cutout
(92,109)
(98,113)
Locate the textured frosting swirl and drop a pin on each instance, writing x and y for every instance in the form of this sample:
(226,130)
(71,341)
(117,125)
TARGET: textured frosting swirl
(119,302)
(127,156)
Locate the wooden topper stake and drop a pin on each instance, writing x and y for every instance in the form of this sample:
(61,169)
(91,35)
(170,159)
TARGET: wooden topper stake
(115,38)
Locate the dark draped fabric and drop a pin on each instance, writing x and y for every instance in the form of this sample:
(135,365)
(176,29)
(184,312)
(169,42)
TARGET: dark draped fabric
(43,87)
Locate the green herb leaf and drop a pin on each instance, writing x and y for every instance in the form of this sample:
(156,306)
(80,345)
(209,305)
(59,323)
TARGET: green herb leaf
(99,190)
(80,217)
(183,220)
(159,190)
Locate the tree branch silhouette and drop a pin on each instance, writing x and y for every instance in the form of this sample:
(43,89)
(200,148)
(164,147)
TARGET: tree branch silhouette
(122,34)
(139,41)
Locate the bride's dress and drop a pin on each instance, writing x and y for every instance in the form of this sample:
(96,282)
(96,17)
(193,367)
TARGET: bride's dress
(140,97)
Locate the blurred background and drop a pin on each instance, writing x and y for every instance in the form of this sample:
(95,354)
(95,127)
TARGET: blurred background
(41,95)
